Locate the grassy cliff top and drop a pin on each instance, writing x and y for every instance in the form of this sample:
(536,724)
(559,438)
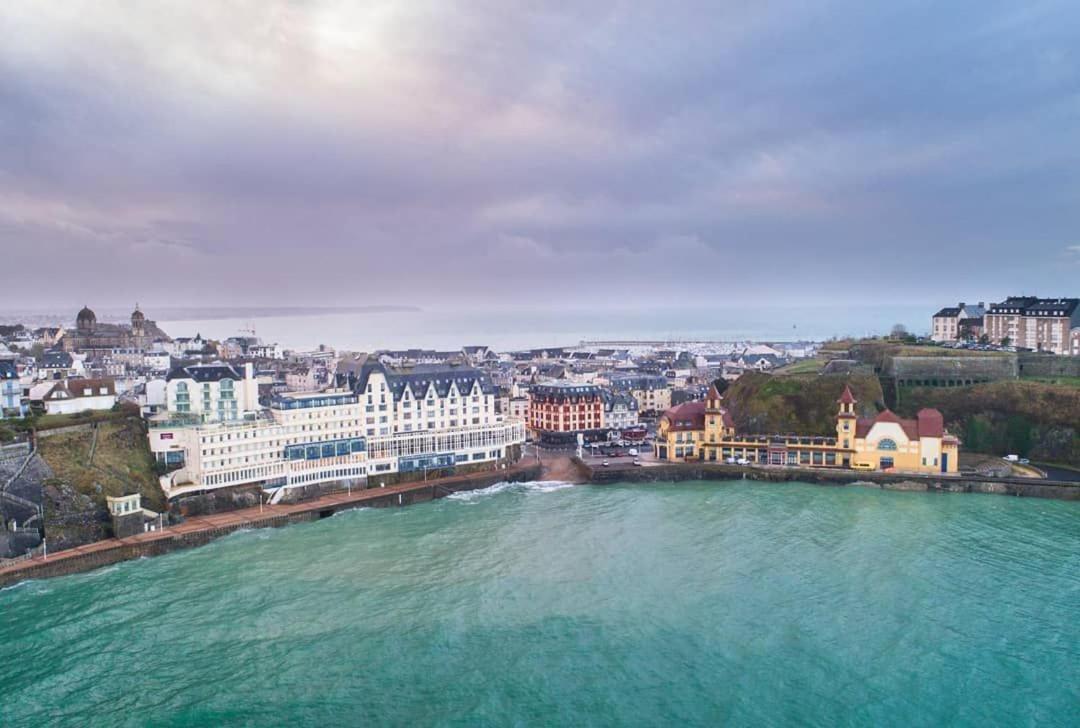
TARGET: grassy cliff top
(797,403)
(121,464)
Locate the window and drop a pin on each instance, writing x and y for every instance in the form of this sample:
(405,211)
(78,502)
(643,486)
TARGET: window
(886,444)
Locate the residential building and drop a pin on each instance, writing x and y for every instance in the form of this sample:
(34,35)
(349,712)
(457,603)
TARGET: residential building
(1038,324)
(706,431)
(1074,342)
(216,392)
(560,411)
(59,364)
(620,410)
(68,396)
(519,407)
(652,392)
(11,390)
(957,322)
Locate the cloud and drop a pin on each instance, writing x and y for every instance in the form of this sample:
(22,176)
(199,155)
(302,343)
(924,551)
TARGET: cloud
(619,147)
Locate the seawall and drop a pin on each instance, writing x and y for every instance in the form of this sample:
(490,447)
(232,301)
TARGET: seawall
(674,472)
(200,530)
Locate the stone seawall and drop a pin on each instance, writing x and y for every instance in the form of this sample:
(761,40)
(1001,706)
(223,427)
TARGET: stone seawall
(198,531)
(675,472)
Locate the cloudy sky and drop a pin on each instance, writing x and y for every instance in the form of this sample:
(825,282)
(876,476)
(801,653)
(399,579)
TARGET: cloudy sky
(344,152)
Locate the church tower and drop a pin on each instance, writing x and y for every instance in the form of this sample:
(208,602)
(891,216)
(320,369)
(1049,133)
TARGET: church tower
(138,322)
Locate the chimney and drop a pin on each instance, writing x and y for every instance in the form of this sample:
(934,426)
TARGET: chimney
(962,304)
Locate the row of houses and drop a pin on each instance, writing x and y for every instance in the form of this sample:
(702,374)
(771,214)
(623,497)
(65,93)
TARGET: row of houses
(1050,325)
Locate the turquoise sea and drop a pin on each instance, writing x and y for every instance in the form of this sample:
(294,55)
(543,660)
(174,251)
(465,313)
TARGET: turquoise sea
(544,604)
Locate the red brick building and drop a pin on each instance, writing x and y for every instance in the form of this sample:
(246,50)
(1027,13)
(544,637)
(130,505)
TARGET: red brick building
(559,411)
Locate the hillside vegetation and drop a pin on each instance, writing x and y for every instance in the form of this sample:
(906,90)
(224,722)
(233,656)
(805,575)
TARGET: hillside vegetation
(799,403)
(75,508)
(1031,419)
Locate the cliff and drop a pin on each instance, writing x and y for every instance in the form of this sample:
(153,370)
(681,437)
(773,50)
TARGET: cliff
(799,403)
(1031,419)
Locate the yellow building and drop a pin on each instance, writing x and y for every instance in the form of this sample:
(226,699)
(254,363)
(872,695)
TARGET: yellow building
(705,431)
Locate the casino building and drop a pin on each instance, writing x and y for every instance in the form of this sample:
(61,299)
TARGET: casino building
(705,431)
(386,424)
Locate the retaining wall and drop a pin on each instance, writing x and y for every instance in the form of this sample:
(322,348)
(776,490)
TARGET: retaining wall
(945,371)
(1048,365)
(675,472)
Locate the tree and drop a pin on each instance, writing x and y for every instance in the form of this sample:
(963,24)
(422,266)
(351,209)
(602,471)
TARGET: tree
(1005,341)
(899,331)
(984,339)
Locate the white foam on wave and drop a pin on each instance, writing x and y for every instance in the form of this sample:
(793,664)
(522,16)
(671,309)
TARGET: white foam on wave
(533,486)
(19,584)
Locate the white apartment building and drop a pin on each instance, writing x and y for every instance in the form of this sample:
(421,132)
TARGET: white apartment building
(620,410)
(387,421)
(215,392)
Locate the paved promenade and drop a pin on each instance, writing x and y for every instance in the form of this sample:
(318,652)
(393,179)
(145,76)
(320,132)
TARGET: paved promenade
(200,529)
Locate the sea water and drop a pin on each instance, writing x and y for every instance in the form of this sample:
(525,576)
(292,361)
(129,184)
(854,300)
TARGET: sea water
(544,604)
(509,327)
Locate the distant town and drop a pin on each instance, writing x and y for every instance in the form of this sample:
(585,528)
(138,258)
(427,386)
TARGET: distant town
(116,429)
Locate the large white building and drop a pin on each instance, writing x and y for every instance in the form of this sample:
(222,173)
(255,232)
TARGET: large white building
(215,392)
(387,421)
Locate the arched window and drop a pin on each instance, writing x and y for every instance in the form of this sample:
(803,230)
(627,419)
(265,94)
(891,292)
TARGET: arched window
(886,444)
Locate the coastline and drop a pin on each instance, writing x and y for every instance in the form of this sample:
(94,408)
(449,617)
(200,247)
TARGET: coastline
(200,530)
(676,472)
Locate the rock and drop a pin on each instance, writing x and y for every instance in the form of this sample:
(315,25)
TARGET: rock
(865,484)
(905,485)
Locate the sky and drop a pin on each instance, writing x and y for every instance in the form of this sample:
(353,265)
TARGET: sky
(520,153)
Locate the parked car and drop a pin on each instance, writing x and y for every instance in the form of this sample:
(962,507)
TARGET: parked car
(637,462)
(1025,461)
(731,461)
(605,463)
(632,452)
(742,461)
(1012,458)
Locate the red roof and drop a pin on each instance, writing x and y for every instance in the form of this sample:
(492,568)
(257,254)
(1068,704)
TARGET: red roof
(847,397)
(928,423)
(687,416)
(931,423)
(713,393)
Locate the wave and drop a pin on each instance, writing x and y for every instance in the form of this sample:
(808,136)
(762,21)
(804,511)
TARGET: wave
(532,486)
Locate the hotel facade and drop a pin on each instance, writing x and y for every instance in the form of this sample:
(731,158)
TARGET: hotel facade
(385,423)
(705,431)
(560,411)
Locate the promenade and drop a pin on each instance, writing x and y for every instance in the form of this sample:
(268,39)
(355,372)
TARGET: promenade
(198,530)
